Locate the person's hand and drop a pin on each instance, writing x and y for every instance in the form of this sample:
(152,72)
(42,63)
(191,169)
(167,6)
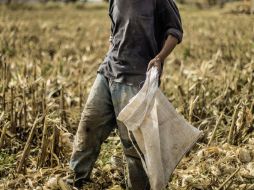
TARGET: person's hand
(157,62)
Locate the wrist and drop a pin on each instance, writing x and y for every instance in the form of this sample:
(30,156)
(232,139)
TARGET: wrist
(159,58)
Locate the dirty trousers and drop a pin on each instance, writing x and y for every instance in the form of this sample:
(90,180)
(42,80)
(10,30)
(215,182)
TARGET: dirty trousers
(106,99)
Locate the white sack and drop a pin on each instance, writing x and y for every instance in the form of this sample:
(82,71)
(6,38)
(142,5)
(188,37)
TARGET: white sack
(161,133)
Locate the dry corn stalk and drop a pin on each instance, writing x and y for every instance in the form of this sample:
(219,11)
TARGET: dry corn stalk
(215,129)
(54,145)
(232,127)
(27,146)
(44,144)
(192,106)
(3,135)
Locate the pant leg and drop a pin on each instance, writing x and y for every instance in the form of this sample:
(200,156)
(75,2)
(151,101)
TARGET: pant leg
(137,178)
(96,123)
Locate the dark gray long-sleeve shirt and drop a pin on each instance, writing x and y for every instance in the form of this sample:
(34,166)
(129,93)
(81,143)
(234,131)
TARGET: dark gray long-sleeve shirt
(138,31)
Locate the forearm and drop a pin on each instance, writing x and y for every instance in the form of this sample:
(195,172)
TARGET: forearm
(167,48)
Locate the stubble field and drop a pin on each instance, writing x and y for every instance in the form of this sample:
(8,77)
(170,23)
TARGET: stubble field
(48,60)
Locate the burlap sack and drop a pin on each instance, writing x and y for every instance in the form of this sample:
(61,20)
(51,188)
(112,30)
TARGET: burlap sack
(161,133)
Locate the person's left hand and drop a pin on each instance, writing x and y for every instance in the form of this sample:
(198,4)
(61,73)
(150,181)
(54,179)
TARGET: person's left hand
(157,62)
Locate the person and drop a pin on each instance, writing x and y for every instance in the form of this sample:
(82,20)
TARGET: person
(143,34)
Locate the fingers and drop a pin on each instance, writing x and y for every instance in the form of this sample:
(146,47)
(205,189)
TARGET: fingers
(149,65)
(158,65)
(154,63)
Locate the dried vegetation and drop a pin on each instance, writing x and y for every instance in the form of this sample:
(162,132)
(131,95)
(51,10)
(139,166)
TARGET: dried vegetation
(48,61)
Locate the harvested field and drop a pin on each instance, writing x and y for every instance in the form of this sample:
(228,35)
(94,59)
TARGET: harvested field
(48,60)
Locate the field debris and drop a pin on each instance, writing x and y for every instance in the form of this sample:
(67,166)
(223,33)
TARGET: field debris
(48,61)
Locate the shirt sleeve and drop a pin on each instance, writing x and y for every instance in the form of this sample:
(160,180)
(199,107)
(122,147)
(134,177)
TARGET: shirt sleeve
(112,22)
(170,19)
